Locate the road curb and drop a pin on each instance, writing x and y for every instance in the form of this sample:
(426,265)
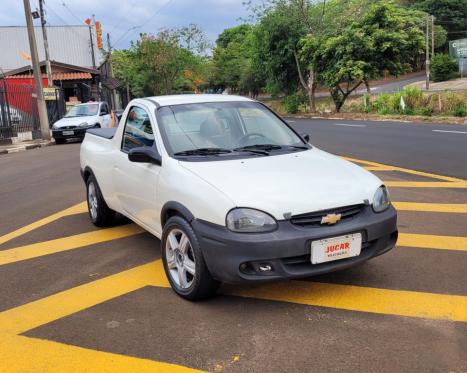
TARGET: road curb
(22,148)
(407,120)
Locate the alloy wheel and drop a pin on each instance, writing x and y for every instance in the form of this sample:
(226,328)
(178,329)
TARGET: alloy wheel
(180,258)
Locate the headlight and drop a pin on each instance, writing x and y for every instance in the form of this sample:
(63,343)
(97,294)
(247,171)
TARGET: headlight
(246,220)
(54,127)
(83,125)
(381,199)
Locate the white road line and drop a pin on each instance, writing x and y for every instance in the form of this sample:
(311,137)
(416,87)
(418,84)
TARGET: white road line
(350,125)
(291,121)
(448,131)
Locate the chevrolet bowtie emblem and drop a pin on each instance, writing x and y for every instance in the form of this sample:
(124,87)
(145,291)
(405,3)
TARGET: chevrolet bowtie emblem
(331,219)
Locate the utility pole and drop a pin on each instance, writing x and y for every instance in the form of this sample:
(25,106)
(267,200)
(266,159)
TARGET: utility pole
(92,42)
(111,72)
(432,36)
(41,108)
(48,68)
(427,61)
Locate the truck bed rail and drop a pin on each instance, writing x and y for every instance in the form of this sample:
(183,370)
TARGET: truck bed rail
(106,133)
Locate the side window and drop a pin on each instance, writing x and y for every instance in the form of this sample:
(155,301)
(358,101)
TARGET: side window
(138,130)
(105,108)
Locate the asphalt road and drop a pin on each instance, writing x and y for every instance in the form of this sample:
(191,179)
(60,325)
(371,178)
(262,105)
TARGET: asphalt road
(77,298)
(433,148)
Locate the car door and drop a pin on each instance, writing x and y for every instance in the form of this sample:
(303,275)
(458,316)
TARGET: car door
(135,183)
(105,115)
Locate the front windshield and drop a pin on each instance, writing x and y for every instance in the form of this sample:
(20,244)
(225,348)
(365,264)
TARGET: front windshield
(229,126)
(83,110)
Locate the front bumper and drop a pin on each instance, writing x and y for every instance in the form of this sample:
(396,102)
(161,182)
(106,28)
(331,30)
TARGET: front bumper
(236,257)
(77,133)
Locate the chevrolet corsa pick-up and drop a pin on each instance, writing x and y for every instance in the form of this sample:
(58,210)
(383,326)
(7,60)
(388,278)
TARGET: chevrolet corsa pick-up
(233,192)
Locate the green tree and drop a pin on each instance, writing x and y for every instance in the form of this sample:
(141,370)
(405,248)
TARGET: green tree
(443,67)
(282,26)
(451,14)
(381,41)
(168,62)
(235,61)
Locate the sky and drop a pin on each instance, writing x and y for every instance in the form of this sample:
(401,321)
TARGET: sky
(118,17)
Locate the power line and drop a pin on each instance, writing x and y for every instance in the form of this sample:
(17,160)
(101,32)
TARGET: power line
(65,23)
(121,18)
(71,12)
(158,10)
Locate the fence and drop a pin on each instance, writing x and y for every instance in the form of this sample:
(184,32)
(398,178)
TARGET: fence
(18,111)
(19,117)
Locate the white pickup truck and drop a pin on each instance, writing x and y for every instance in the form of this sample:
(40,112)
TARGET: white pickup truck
(233,192)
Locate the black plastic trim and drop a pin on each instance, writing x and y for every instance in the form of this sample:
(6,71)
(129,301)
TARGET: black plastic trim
(181,209)
(106,133)
(225,251)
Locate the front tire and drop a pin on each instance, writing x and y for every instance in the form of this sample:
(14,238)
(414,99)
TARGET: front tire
(184,262)
(101,215)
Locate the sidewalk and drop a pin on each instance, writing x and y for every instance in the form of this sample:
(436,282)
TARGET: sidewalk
(25,145)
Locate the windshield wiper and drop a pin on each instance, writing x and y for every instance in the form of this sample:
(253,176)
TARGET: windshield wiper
(204,151)
(258,148)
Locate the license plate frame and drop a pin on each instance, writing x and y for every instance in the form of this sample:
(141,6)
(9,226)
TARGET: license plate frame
(68,133)
(335,248)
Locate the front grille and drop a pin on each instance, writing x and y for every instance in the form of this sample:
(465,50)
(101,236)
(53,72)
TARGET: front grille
(67,127)
(311,219)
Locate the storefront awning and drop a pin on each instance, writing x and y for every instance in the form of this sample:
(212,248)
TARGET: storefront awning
(56,76)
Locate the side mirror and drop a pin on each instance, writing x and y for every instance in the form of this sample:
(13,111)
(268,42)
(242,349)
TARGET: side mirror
(306,137)
(103,112)
(145,154)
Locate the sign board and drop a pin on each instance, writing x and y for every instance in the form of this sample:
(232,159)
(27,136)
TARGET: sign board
(458,48)
(100,45)
(49,94)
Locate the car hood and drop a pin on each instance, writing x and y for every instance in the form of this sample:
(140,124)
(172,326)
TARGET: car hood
(75,121)
(293,183)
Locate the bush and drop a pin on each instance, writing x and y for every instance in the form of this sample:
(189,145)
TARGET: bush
(454,103)
(413,97)
(425,111)
(460,111)
(293,102)
(387,103)
(443,68)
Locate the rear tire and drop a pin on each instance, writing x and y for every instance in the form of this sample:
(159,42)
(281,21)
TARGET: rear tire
(101,215)
(184,262)
(60,141)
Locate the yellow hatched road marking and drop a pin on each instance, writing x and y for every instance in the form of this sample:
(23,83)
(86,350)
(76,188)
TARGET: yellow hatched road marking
(23,318)
(39,249)
(384,301)
(378,168)
(406,170)
(22,354)
(429,241)
(67,243)
(76,209)
(425,184)
(431,207)
(364,299)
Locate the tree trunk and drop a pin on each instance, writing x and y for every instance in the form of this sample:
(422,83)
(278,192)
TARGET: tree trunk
(367,85)
(311,87)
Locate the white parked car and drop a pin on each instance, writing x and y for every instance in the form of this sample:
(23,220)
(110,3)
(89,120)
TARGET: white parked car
(80,118)
(233,192)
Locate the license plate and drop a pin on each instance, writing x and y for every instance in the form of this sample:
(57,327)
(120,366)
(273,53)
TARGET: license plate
(335,248)
(68,133)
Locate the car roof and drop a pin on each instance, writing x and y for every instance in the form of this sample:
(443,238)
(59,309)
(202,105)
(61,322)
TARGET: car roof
(194,99)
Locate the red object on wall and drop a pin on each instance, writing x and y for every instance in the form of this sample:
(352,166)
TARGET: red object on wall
(20,93)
